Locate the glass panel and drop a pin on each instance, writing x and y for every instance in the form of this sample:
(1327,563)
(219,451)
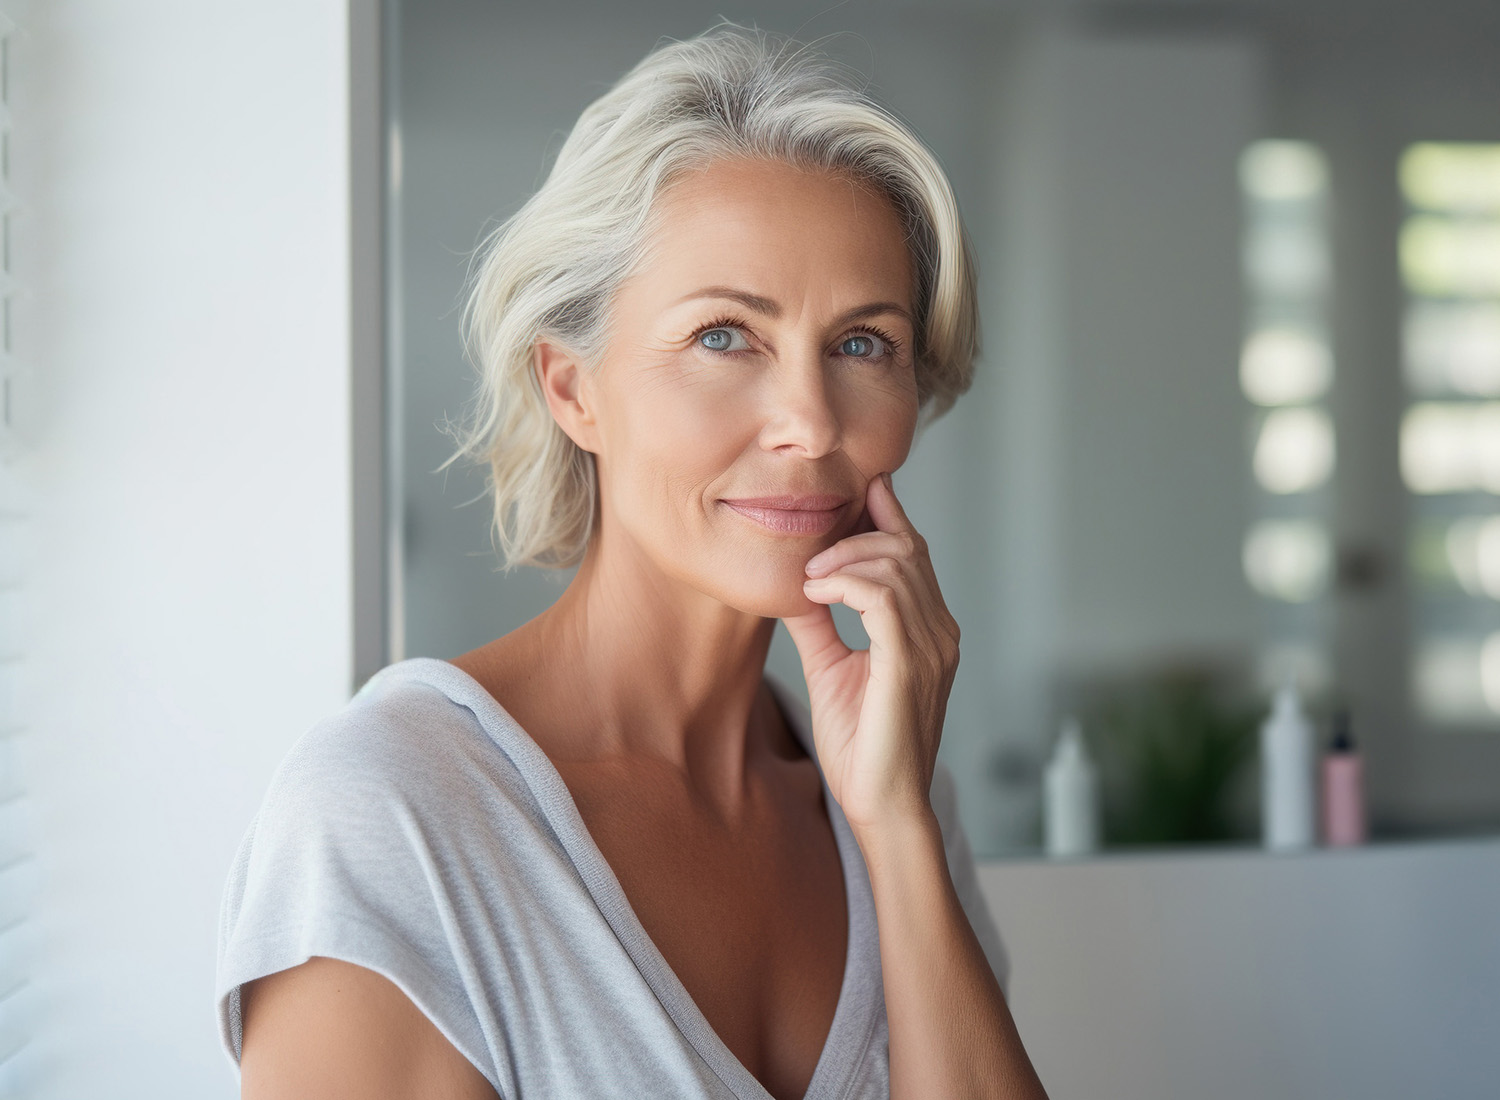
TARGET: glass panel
(1286,369)
(1451,447)
(1452,177)
(1453,349)
(1449,256)
(1285,366)
(1295,450)
(1287,559)
(1450,433)
(1283,171)
(1456,681)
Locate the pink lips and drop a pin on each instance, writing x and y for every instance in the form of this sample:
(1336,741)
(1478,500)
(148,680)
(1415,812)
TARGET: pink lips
(787,515)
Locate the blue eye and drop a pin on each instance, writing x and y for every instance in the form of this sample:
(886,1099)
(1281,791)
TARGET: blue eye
(862,347)
(723,339)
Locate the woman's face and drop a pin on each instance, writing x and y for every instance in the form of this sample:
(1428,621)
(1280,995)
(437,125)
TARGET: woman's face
(759,374)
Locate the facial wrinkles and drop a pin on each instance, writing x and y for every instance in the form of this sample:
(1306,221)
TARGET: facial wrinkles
(801,240)
(680,426)
(646,391)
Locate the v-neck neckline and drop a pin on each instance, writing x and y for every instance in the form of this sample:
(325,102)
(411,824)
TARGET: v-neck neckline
(854,1017)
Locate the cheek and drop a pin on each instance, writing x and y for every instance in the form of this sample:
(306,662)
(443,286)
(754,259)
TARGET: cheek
(667,442)
(880,424)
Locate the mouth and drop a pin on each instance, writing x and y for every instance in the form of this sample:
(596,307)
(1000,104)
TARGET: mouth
(789,515)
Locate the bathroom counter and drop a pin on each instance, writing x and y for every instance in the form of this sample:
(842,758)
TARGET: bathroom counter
(1244,850)
(1237,973)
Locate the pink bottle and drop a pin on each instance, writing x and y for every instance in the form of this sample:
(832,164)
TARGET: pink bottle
(1343,788)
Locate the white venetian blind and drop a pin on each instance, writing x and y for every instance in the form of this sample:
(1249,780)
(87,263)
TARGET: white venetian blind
(16,867)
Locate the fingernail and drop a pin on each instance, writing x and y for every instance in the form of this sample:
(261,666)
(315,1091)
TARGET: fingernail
(815,568)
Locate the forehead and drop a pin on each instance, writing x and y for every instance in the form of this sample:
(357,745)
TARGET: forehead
(782,229)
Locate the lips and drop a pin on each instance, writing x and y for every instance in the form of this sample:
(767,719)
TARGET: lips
(791,515)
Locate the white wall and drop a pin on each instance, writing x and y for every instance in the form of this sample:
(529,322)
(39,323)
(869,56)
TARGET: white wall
(1371,974)
(186,167)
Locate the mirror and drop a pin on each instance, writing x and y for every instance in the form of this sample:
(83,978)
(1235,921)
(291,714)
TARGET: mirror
(1234,420)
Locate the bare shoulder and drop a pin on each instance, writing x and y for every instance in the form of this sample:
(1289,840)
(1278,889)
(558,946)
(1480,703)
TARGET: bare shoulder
(512,668)
(524,673)
(334,1030)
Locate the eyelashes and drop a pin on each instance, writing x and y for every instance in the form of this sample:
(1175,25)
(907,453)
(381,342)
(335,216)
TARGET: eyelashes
(893,344)
(728,323)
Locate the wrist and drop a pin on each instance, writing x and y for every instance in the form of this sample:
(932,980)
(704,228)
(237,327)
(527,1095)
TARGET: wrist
(899,838)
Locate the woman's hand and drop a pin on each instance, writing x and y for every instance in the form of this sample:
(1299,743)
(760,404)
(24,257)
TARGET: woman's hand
(877,714)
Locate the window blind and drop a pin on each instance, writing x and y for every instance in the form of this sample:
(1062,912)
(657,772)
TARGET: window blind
(17,868)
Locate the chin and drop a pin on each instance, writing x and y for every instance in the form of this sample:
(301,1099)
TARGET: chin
(772,590)
(783,605)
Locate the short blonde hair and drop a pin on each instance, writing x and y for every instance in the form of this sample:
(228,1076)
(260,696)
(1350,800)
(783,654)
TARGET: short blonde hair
(553,269)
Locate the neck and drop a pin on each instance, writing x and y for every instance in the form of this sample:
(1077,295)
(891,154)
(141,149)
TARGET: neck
(654,667)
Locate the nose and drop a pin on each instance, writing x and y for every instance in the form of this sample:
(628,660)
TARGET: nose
(802,417)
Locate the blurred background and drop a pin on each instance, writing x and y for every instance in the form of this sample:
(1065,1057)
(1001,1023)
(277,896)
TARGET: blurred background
(1233,423)
(1236,422)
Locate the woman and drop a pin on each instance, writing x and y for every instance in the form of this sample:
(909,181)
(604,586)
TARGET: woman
(601,855)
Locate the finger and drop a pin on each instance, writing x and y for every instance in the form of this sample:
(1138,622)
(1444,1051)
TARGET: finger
(919,603)
(817,639)
(876,544)
(884,509)
(878,604)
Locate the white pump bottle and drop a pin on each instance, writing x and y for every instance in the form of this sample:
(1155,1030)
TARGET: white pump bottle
(1288,822)
(1072,797)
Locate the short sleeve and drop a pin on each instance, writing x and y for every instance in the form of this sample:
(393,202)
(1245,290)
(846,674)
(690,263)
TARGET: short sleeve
(966,875)
(338,863)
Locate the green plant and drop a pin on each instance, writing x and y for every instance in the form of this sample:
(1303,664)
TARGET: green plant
(1173,748)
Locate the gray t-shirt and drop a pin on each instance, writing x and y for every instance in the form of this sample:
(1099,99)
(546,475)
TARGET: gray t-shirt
(421,833)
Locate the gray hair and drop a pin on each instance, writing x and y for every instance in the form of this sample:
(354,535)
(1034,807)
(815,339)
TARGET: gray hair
(552,270)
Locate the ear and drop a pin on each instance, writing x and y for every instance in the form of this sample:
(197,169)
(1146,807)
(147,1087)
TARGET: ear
(565,385)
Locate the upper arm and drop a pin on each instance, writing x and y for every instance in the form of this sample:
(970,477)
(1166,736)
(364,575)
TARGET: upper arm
(338,1031)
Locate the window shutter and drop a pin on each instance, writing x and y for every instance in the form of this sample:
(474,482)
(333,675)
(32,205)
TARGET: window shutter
(17,869)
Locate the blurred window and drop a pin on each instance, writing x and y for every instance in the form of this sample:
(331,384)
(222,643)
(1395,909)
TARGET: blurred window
(1450,432)
(1286,372)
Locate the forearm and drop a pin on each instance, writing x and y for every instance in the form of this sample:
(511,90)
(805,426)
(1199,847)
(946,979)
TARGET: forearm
(951,1032)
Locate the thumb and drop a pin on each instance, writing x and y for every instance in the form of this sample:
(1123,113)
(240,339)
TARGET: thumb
(817,640)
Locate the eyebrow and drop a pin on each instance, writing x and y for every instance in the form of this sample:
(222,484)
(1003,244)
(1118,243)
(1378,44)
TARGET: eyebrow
(769,307)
